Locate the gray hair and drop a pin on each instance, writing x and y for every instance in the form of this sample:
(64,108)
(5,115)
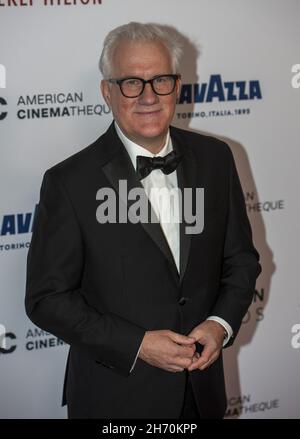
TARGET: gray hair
(147,32)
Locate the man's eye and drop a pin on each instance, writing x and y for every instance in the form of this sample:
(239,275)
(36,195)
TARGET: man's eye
(132,82)
(162,79)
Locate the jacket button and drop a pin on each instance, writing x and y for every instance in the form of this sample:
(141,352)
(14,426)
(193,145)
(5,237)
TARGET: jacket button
(182,301)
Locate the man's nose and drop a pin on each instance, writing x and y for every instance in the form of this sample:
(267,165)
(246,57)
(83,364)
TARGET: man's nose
(148,96)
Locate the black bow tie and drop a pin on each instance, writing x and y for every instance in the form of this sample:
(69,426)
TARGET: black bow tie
(168,164)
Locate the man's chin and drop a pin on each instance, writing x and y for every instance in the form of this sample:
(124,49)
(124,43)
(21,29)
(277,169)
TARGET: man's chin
(152,130)
(149,135)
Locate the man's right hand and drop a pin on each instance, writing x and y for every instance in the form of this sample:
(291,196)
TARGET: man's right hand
(167,350)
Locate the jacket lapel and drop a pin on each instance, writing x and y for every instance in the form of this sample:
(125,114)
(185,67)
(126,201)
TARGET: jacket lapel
(118,166)
(186,176)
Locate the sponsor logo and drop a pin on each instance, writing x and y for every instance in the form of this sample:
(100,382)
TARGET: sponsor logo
(15,224)
(243,405)
(253,205)
(221,91)
(55,105)
(2,336)
(256,310)
(7,344)
(2,76)
(12,225)
(24,3)
(37,338)
(3,113)
(215,90)
(14,246)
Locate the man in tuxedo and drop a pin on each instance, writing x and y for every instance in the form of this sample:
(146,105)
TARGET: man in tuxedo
(146,305)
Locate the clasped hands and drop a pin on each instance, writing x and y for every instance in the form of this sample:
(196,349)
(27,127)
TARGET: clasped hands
(175,352)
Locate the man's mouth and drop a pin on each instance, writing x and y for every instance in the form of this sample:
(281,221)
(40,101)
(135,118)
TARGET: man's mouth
(148,113)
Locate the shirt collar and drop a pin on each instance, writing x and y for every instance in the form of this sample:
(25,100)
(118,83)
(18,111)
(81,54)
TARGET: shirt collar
(134,149)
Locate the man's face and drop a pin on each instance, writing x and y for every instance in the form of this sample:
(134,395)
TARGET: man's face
(145,119)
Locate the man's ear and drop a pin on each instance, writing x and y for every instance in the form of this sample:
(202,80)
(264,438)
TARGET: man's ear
(105,90)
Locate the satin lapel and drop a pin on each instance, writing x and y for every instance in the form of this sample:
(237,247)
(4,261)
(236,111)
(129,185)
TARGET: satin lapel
(186,176)
(120,167)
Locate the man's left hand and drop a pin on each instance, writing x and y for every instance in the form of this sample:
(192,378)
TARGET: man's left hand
(211,335)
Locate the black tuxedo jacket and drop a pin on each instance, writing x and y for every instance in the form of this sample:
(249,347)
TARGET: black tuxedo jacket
(99,287)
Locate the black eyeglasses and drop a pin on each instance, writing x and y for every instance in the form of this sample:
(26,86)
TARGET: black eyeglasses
(132,87)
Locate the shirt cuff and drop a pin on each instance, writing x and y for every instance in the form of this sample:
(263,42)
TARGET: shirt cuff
(132,367)
(225,325)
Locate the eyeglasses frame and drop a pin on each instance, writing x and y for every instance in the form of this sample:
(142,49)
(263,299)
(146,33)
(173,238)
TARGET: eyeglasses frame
(120,81)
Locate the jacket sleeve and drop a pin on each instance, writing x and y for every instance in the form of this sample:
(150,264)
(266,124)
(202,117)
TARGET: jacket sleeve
(240,259)
(55,300)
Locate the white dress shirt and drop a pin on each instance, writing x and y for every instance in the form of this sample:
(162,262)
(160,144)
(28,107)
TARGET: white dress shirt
(158,187)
